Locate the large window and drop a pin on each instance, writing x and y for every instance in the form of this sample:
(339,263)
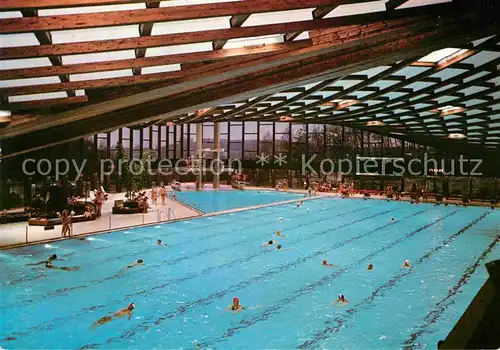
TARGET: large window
(251,140)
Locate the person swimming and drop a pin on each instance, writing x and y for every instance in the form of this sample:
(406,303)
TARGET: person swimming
(341,299)
(281,219)
(138,262)
(393,219)
(271,242)
(159,242)
(325,263)
(370,266)
(406,264)
(49,265)
(236,306)
(118,314)
(49,259)
(278,247)
(278,233)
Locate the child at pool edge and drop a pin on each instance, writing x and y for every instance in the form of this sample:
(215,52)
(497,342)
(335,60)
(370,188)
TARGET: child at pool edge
(118,314)
(341,299)
(326,264)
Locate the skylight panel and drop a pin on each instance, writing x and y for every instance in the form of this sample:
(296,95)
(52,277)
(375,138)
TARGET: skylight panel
(302,36)
(25,63)
(37,97)
(101,75)
(90,9)
(29,81)
(10,14)
(161,69)
(178,49)
(448,73)
(254,41)
(440,55)
(192,25)
(482,40)
(278,17)
(482,57)
(356,9)
(20,39)
(91,34)
(373,71)
(98,57)
(416,3)
(170,3)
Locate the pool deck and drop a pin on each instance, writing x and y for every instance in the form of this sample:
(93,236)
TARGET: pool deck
(14,234)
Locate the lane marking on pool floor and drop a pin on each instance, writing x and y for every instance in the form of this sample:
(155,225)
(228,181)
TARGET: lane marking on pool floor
(440,307)
(392,282)
(201,252)
(211,298)
(280,305)
(341,214)
(142,238)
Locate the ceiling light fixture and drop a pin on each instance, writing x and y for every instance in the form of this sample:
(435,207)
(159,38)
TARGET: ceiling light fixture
(375,123)
(285,118)
(457,136)
(447,110)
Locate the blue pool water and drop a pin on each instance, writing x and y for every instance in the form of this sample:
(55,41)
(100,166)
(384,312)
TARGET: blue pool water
(214,201)
(182,290)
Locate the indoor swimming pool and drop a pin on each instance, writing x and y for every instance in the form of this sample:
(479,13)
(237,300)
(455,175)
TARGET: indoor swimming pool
(183,289)
(214,201)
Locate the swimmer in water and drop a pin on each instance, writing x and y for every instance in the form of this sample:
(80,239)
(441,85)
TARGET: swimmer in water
(341,299)
(370,266)
(49,265)
(325,263)
(271,242)
(236,306)
(278,233)
(393,219)
(50,259)
(278,247)
(298,205)
(118,314)
(138,262)
(406,264)
(158,242)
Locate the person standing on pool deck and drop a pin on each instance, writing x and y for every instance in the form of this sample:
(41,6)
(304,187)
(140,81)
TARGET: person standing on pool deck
(163,194)
(118,314)
(236,306)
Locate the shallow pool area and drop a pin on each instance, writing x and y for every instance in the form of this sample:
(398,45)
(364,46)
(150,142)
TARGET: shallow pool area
(182,290)
(215,201)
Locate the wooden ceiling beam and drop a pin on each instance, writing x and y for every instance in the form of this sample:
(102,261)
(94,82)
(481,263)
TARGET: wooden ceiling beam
(145,29)
(213,35)
(50,102)
(154,15)
(190,57)
(11,5)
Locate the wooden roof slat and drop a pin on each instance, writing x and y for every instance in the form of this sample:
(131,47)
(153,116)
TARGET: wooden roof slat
(209,35)
(189,57)
(155,15)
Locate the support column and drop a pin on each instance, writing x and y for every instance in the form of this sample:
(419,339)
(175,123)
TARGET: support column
(218,167)
(199,154)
